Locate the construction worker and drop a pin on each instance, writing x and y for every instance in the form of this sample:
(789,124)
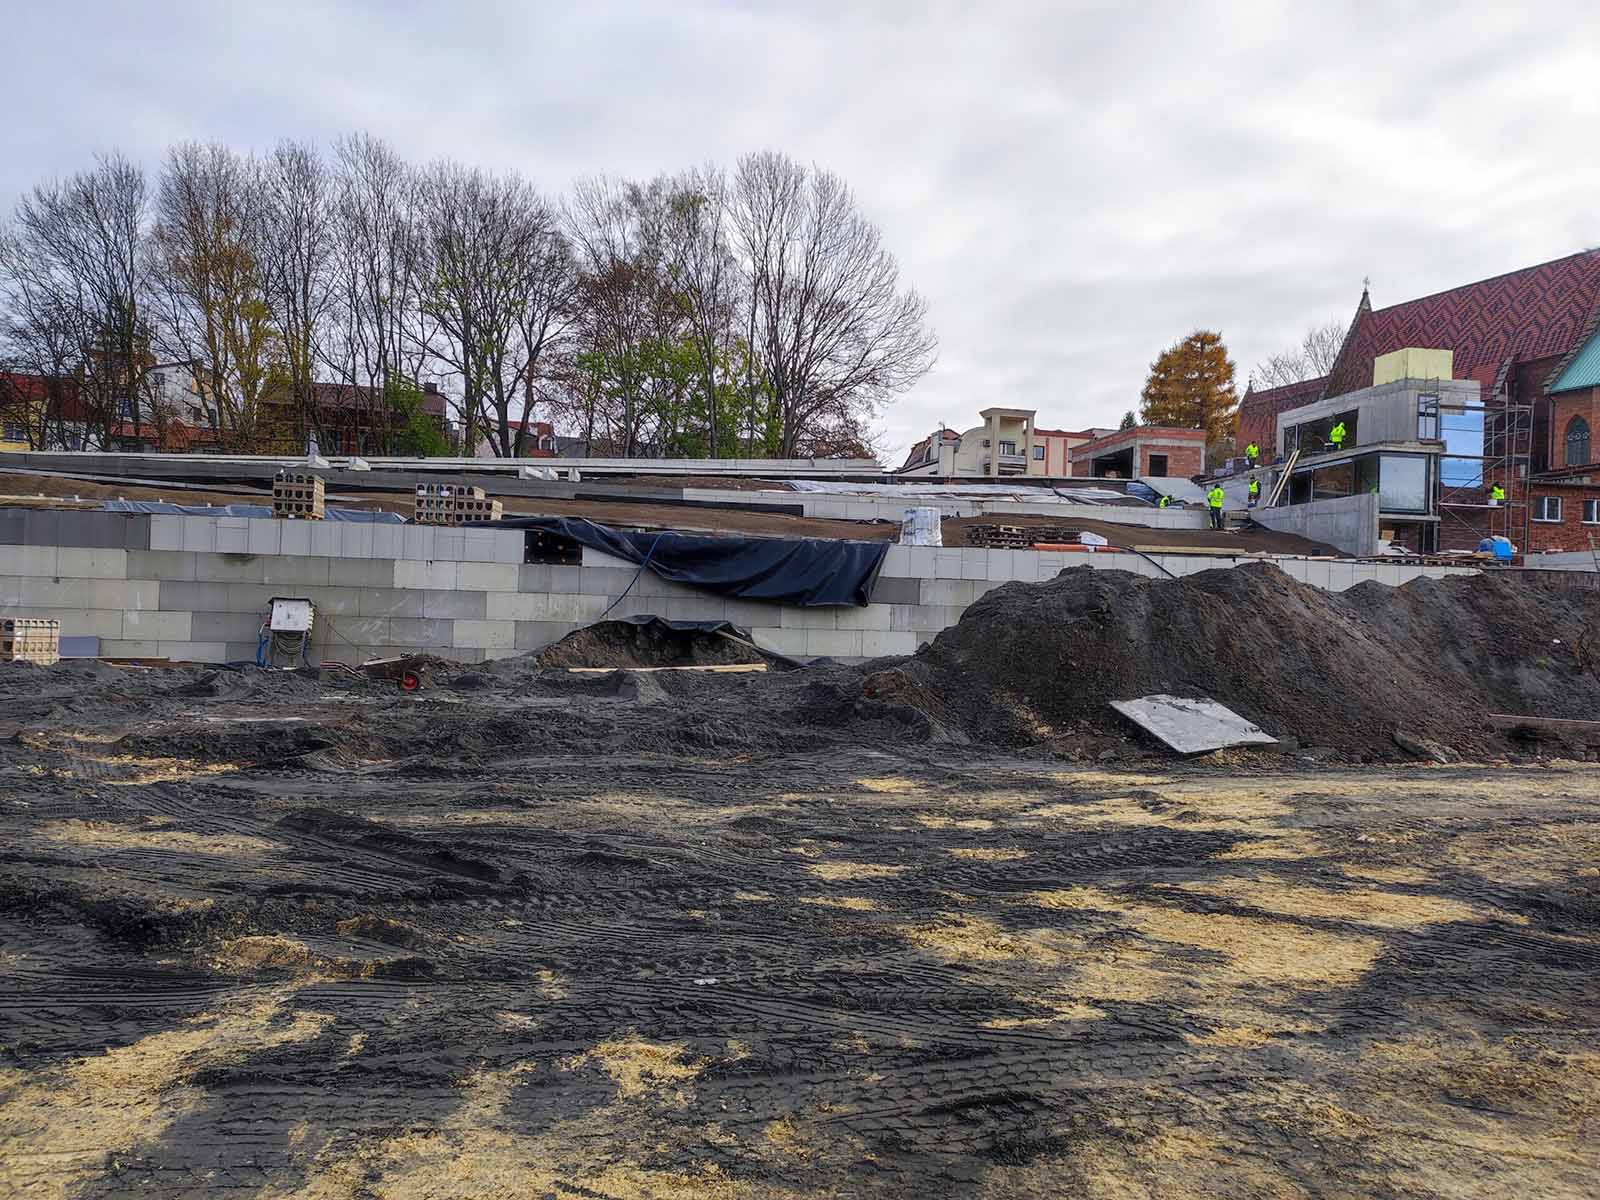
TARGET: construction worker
(1252,455)
(1214,499)
(1255,492)
(1164,502)
(1497,496)
(1336,436)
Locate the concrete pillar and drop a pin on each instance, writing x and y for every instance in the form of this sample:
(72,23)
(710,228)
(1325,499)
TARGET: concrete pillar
(1027,447)
(994,444)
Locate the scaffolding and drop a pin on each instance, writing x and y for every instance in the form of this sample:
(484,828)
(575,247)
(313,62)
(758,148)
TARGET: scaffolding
(1507,459)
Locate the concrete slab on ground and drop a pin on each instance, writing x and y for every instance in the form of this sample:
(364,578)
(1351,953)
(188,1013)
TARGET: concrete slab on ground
(1192,726)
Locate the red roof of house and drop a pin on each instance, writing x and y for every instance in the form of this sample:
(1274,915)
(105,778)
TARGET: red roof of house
(1272,401)
(32,389)
(178,435)
(916,454)
(1537,312)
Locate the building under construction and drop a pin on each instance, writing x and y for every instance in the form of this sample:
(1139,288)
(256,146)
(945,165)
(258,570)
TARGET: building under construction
(1495,384)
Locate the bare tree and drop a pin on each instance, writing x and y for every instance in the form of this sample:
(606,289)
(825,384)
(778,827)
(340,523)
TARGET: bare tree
(38,339)
(376,349)
(706,280)
(296,255)
(74,266)
(494,295)
(617,267)
(209,285)
(834,334)
(1311,359)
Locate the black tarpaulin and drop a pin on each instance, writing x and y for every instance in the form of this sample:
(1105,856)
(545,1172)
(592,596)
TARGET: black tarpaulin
(804,571)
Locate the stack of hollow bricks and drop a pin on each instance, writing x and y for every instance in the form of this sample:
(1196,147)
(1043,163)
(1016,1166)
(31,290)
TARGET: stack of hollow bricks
(453,504)
(30,639)
(196,588)
(297,495)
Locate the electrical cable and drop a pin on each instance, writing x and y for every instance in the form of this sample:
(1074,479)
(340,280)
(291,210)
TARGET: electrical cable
(636,575)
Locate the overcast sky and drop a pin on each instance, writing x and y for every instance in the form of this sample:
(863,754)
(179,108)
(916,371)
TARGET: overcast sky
(1072,186)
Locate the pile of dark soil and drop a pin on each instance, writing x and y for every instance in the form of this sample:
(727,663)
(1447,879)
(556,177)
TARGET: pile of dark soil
(1032,662)
(652,643)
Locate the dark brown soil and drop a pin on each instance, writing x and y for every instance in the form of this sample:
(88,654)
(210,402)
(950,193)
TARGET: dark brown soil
(1028,663)
(553,938)
(656,644)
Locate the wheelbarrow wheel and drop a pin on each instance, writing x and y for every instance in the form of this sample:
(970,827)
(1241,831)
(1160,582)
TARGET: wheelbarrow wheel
(410,681)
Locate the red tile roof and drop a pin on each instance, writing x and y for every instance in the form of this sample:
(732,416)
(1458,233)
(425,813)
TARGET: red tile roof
(31,389)
(1259,410)
(1537,312)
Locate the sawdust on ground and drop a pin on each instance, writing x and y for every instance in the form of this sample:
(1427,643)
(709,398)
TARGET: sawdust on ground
(79,1113)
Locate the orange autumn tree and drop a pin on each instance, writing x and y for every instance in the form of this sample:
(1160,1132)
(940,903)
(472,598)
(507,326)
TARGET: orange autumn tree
(1191,386)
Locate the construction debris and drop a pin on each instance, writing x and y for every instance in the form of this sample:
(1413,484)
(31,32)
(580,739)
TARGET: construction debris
(1192,726)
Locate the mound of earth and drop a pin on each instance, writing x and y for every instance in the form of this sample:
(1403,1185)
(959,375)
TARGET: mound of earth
(647,643)
(1031,662)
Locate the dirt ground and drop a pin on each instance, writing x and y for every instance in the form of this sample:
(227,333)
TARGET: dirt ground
(607,936)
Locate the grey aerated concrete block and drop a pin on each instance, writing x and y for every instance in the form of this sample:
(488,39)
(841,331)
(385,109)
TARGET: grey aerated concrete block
(163,565)
(361,572)
(224,626)
(536,635)
(230,568)
(389,602)
(184,595)
(455,606)
(891,590)
(420,631)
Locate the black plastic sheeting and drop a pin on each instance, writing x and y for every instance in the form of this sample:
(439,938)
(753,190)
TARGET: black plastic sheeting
(256,511)
(811,572)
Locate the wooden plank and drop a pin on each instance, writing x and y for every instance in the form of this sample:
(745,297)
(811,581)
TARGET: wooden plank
(1511,721)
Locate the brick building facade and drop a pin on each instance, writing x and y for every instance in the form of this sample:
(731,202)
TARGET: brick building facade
(1157,450)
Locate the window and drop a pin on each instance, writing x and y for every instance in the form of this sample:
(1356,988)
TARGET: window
(1008,447)
(1547,508)
(1402,483)
(1577,442)
(1038,453)
(1427,418)
(13,433)
(1462,432)
(1591,512)
(985,443)
(1158,464)
(1336,480)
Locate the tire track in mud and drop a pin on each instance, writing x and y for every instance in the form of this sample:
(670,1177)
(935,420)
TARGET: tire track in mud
(562,903)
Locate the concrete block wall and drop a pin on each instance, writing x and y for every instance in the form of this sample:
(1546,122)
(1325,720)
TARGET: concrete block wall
(198,588)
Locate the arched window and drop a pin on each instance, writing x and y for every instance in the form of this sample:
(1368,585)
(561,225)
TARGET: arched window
(1577,442)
